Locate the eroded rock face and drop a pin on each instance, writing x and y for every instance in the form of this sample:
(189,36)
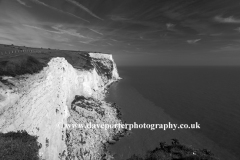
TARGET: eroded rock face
(106,64)
(42,105)
(85,142)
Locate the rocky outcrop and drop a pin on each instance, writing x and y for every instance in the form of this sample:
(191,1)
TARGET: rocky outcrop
(88,143)
(44,103)
(107,64)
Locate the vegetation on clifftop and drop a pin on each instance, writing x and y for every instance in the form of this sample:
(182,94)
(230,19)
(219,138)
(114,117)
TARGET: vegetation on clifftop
(18,146)
(21,66)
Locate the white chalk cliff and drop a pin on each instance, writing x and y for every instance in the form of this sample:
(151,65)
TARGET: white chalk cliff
(42,104)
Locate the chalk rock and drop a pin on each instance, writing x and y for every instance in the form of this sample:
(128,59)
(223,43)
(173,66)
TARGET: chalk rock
(41,104)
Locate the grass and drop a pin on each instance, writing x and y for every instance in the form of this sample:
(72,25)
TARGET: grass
(31,60)
(25,65)
(18,146)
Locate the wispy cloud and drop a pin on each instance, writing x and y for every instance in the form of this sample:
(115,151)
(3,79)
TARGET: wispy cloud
(170,26)
(238,29)
(84,42)
(216,34)
(60,38)
(95,31)
(60,29)
(84,8)
(118,18)
(71,32)
(193,41)
(228,47)
(109,44)
(127,51)
(114,40)
(23,3)
(55,37)
(93,42)
(128,21)
(230,19)
(56,9)
(35,27)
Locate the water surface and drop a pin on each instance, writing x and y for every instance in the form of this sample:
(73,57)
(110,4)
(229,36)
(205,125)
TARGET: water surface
(208,95)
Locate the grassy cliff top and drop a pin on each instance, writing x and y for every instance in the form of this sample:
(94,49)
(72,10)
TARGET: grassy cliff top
(19,60)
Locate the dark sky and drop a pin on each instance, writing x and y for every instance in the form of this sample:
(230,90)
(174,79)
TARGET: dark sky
(136,32)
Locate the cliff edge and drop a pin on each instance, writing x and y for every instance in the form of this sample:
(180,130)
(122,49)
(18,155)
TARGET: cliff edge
(46,103)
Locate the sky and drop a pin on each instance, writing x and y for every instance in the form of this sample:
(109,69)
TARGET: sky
(136,32)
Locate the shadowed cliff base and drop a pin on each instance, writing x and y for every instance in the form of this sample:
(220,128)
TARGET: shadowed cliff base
(176,151)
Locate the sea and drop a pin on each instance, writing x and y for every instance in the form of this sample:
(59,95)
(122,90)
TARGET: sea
(208,95)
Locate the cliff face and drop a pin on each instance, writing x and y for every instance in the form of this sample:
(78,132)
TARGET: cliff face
(44,103)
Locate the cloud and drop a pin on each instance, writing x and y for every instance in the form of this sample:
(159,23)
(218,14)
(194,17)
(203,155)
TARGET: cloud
(84,42)
(60,29)
(228,47)
(114,40)
(53,8)
(13,32)
(230,19)
(21,35)
(95,31)
(65,33)
(193,41)
(170,26)
(71,32)
(118,18)
(60,39)
(90,42)
(42,29)
(216,34)
(23,3)
(84,8)
(237,29)
(129,21)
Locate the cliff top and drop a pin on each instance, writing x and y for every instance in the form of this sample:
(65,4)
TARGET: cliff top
(19,60)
